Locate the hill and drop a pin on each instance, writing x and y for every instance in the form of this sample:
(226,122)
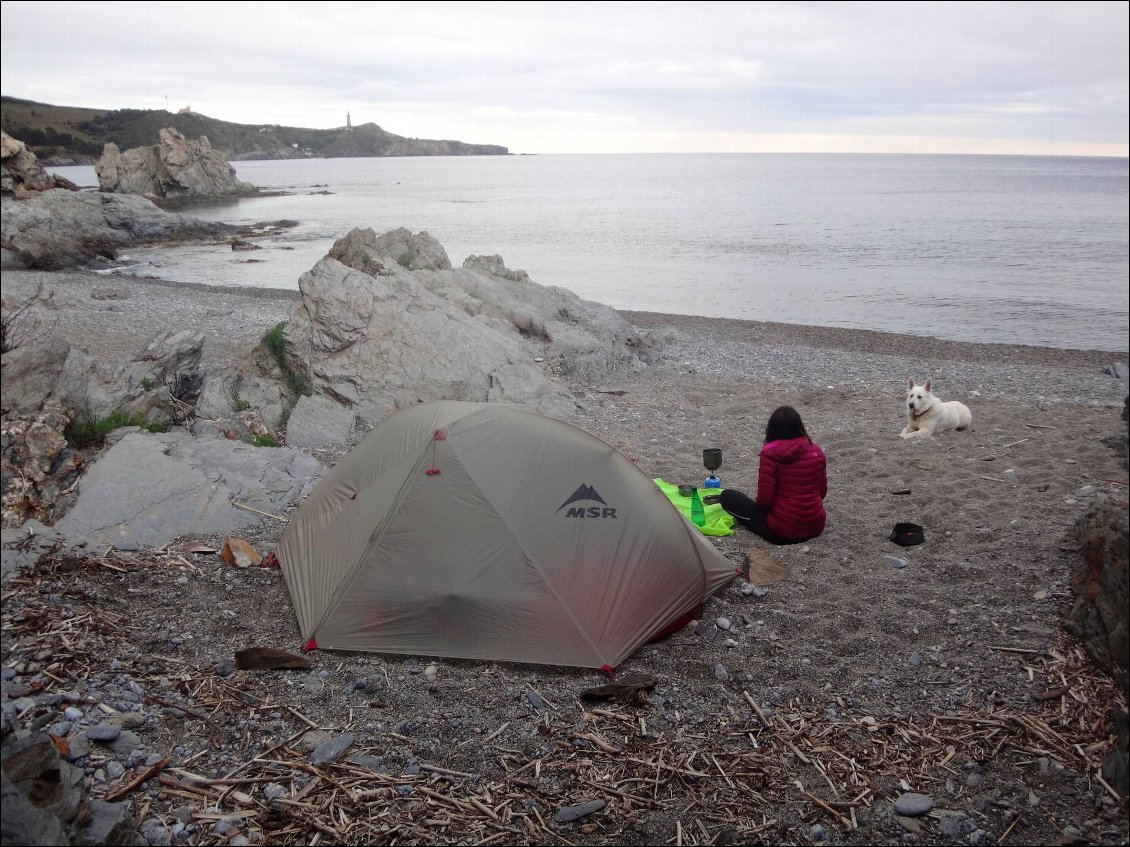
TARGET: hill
(61,133)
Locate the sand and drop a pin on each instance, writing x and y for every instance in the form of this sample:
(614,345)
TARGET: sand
(874,679)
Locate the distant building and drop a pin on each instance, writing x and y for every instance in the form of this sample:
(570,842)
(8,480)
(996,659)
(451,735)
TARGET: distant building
(348,121)
(184,110)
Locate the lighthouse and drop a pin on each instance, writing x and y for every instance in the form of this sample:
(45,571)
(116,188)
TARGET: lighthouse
(348,121)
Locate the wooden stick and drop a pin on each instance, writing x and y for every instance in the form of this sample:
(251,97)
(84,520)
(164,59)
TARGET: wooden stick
(1013,649)
(846,823)
(1014,443)
(1041,426)
(757,709)
(144,776)
(239,505)
(992,478)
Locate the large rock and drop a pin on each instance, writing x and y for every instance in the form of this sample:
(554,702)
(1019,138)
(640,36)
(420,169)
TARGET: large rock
(148,489)
(1100,581)
(1100,615)
(386,322)
(382,342)
(60,229)
(20,171)
(175,168)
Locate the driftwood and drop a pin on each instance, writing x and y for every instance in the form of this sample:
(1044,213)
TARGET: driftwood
(628,686)
(268,659)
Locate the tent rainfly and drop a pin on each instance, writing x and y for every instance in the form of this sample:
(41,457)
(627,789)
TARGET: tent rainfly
(489,531)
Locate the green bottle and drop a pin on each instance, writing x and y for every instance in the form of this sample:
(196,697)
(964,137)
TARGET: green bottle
(698,512)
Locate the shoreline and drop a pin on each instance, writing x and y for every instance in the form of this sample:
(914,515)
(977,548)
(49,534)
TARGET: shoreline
(866,341)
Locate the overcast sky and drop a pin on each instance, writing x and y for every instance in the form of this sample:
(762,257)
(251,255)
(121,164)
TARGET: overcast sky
(949,77)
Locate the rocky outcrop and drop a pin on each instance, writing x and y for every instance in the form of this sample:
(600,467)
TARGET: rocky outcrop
(150,488)
(175,168)
(386,322)
(1101,581)
(21,173)
(49,385)
(61,229)
(1101,612)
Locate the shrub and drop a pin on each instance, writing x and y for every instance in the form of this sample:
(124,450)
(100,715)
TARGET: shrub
(404,260)
(265,441)
(91,432)
(147,384)
(275,341)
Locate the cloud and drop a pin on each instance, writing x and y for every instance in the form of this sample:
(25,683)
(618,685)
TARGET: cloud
(1047,73)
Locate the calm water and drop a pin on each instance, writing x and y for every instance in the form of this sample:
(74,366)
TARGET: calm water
(1005,249)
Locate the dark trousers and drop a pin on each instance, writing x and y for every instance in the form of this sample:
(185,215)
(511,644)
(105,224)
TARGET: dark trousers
(746,512)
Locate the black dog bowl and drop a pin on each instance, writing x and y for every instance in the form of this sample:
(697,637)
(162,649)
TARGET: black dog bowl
(907,534)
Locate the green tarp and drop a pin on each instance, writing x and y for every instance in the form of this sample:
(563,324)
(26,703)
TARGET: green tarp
(718,520)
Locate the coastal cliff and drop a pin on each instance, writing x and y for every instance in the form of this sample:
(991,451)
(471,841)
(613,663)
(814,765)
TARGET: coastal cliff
(64,135)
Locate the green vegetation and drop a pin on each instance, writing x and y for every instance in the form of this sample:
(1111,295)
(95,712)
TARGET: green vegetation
(275,341)
(404,260)
(81,133)
(87,432)
(147,384)
(265,441)
(238,404)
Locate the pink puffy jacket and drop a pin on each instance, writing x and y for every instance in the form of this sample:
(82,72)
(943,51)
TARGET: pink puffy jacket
(792,483)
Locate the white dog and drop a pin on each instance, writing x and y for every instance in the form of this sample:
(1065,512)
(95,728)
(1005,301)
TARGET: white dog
(926,414)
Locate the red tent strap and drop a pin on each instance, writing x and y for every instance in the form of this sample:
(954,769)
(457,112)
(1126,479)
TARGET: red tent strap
(439,435)
(312,644)
(611,671)
(271,561)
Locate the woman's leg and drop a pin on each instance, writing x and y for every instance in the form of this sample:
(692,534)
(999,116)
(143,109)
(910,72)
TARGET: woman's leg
(746,512)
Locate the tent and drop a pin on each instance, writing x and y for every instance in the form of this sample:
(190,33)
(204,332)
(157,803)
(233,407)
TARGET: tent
(489,531)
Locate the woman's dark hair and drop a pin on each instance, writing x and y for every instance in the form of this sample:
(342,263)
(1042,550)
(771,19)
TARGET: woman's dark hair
(785,422)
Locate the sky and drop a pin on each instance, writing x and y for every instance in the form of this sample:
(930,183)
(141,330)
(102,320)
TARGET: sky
(632,77)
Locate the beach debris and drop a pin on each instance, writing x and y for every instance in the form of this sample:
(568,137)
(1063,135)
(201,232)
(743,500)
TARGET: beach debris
(579,811)
(895,561)
(239,553)
(198,548)
(763,569)
(900,491)
(629,685)
(269,659)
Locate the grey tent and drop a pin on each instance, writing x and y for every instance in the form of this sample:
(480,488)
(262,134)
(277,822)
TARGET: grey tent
(489,531)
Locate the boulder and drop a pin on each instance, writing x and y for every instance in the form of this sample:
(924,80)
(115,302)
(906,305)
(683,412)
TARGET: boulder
(20,171)
(1100,580)
(380,342)
(1099,616)
(175,168)
(60,229)
(318,421)
(385,321)
(148,489)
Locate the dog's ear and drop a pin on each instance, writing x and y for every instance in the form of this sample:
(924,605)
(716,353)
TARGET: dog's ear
(928,384)
(910,384)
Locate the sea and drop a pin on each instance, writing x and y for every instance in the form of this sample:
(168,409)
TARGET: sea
(1004,249)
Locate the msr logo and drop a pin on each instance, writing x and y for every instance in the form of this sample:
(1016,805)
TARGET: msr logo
(587,492)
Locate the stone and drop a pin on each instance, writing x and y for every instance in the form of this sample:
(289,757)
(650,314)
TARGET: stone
(104,733)
(174,168)
(720,673)
(569,814)
(913,805)
(21,171)
(109,823)
(332,750)
(895,561)
(535,700)
(59,229)
(318,421)
(194,480)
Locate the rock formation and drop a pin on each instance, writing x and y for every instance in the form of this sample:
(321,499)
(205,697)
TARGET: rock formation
(176,168)
(20,171)
(61,229)
(386,322)
(1101,582)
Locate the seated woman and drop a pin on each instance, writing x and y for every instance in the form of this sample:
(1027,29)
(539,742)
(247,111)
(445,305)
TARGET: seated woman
(792,483)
